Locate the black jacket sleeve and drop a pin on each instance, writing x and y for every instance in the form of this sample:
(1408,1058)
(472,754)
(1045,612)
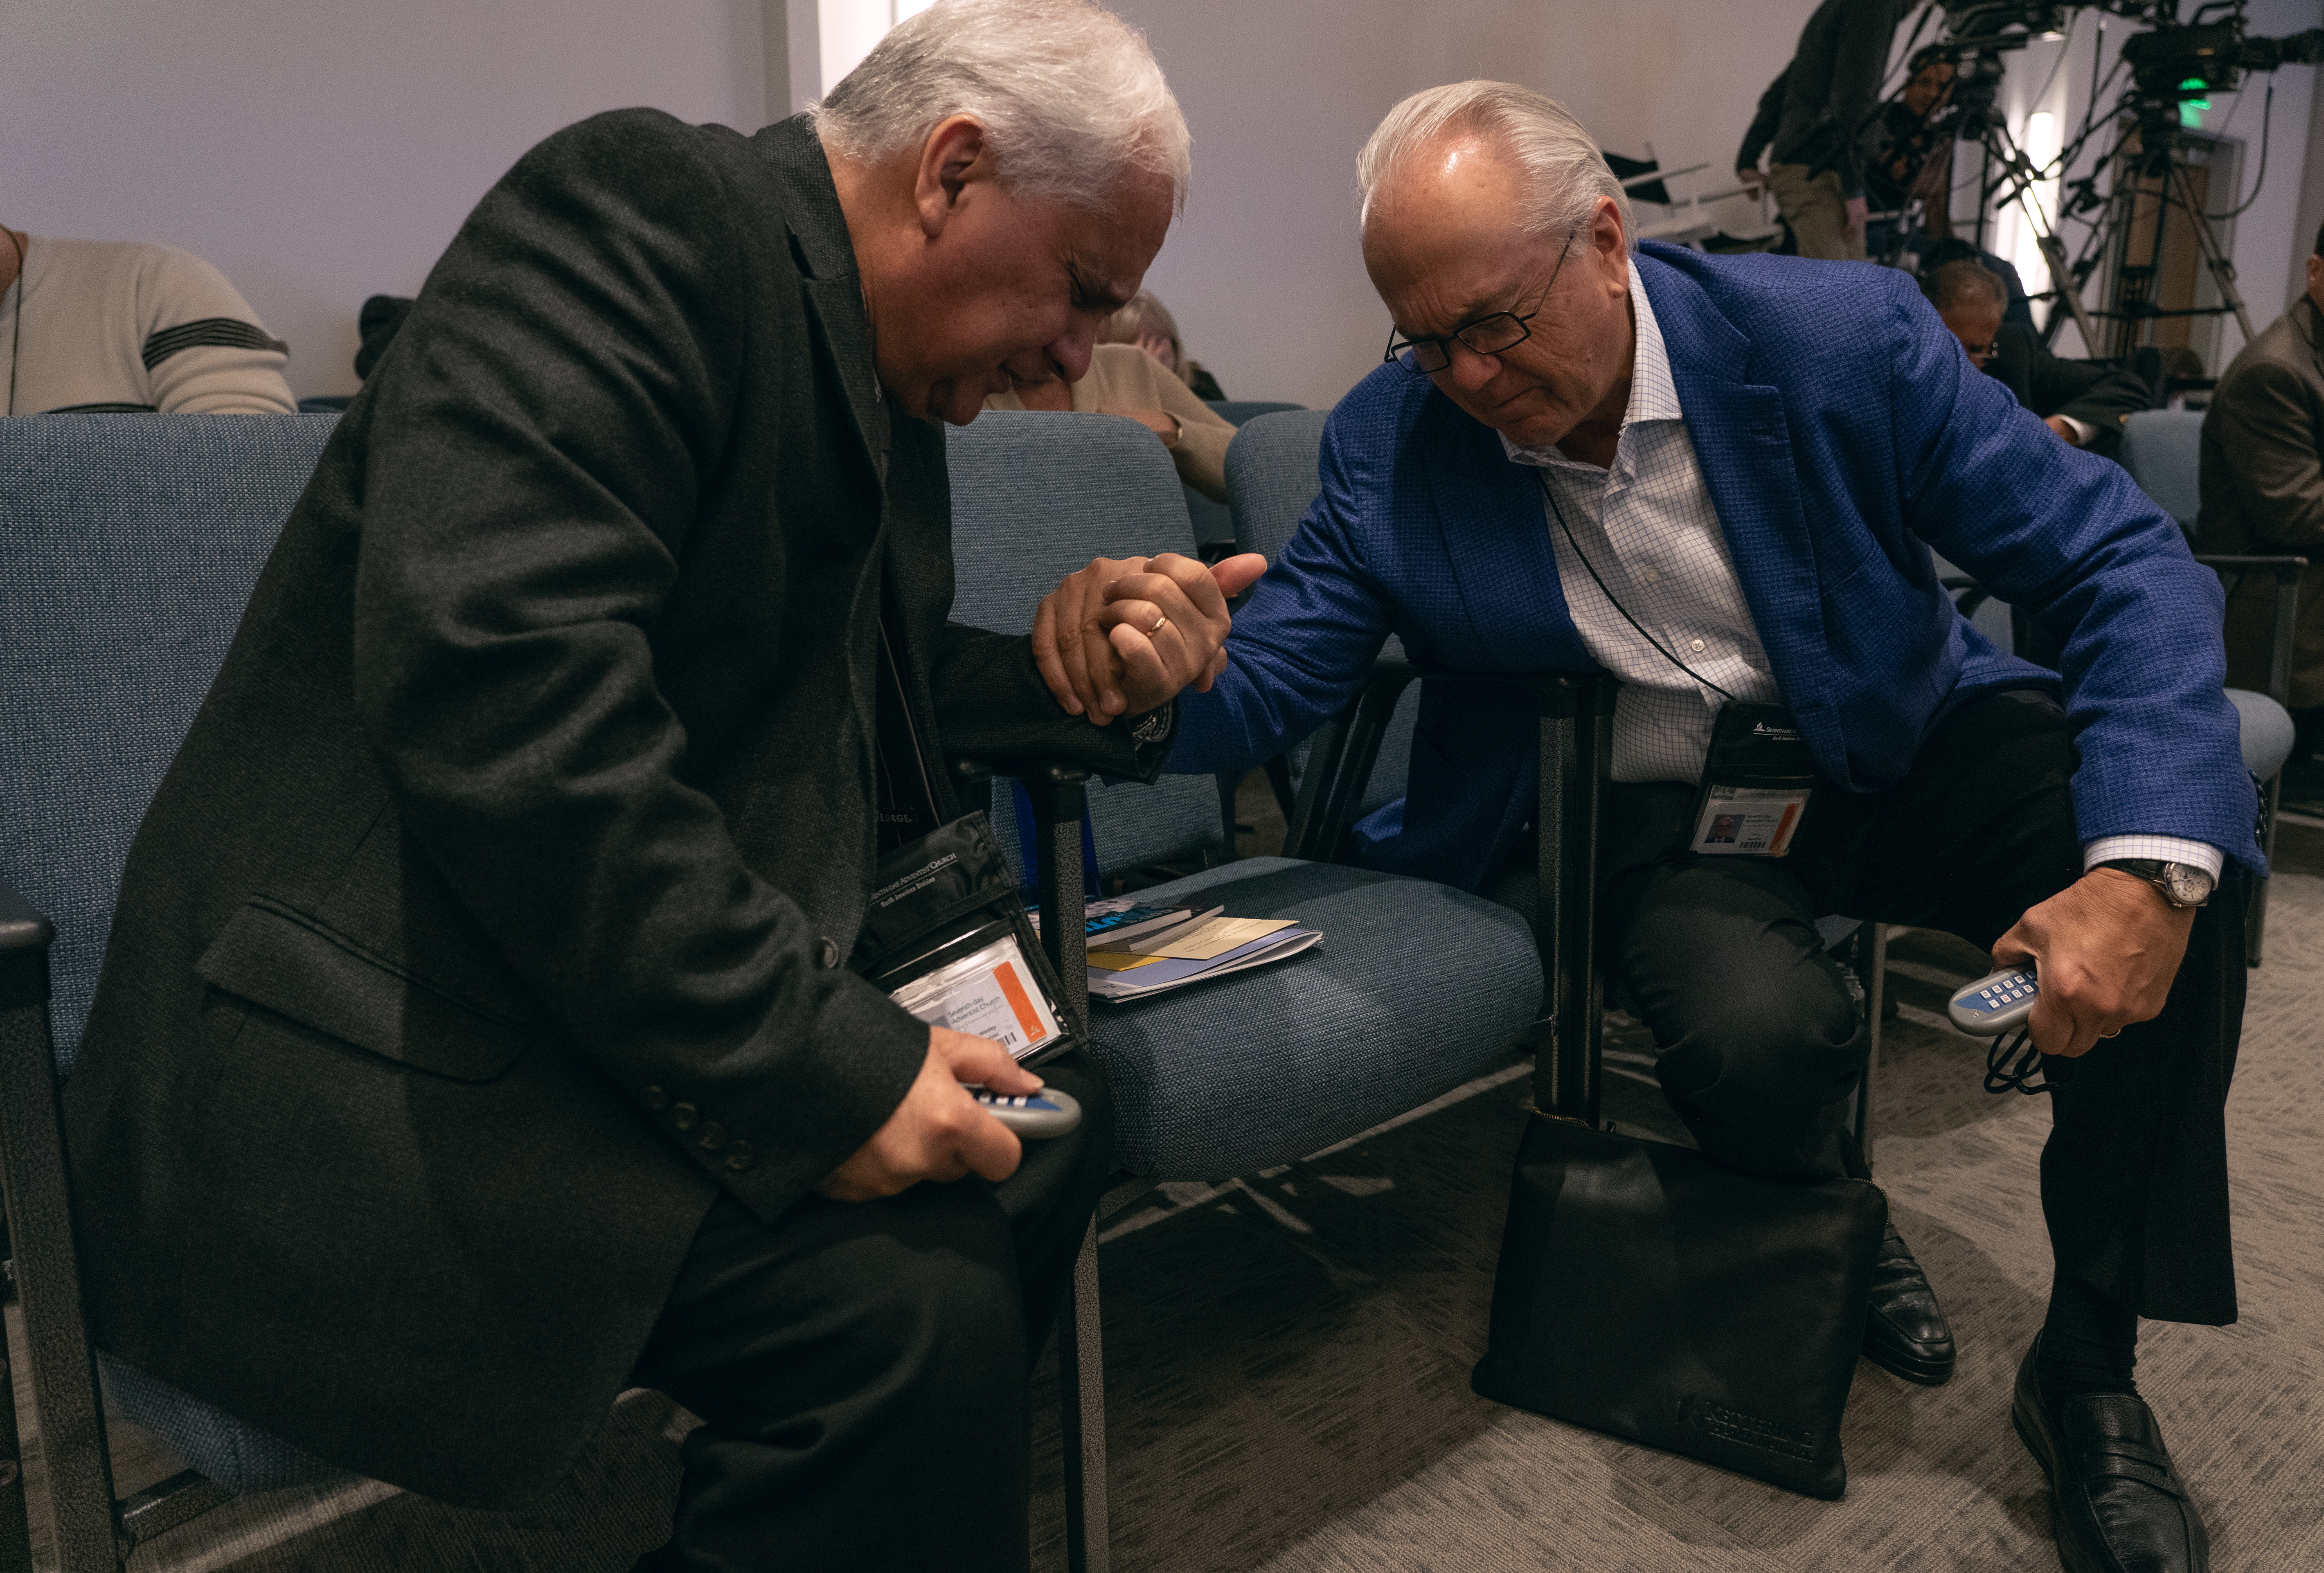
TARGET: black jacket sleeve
(537,459)
(2086,390)
(1763,123)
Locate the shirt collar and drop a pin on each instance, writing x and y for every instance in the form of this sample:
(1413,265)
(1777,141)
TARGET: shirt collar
(1652,395)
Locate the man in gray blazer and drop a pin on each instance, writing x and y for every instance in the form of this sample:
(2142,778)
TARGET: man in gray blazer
(474,1041)
(2263,493)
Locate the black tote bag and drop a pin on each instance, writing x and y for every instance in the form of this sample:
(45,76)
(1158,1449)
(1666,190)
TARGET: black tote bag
(1648,1293)
(1643,1290)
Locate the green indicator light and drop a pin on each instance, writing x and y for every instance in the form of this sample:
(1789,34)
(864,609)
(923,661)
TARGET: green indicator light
(2190,110)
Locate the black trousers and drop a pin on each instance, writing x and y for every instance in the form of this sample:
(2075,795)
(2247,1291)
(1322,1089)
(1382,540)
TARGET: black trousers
(860,1367)
(1761,1047)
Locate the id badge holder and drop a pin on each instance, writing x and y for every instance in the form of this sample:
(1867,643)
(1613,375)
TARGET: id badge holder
(1757,784)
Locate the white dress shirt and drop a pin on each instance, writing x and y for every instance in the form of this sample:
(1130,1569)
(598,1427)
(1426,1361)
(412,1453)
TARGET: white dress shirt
(1648,529)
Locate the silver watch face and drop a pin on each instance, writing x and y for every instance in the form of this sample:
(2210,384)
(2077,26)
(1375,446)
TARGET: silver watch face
(2185,885)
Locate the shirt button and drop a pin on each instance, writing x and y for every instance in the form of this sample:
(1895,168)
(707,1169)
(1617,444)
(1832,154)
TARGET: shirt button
(739,1156)
(685,1116)
(1696,646)
(828,954)
(1650,575)
(654,1098)
(711,1137)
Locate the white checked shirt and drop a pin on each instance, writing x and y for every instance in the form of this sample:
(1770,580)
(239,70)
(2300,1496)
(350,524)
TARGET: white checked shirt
(1648,528)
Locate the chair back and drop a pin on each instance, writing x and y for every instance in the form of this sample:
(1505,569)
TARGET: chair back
(2162,449)
(128,547)
(1272,476)
(1035,496)
(1242,411)
(1214,521)
(129,544)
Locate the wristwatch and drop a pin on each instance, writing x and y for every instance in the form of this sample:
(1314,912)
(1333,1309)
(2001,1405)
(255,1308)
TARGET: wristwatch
(2181,883)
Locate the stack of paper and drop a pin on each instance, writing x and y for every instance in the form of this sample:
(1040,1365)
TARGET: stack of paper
(1208,947)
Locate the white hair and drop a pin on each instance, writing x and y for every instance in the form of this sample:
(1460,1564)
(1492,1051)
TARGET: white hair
(1564,172)
(1069,96)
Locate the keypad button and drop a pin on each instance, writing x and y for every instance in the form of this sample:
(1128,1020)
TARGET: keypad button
(711,1137)
(740,1157)
(685,1116)
(654,1099)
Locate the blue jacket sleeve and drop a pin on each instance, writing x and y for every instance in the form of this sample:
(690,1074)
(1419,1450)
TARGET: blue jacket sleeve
(1306,639)
(2069,536)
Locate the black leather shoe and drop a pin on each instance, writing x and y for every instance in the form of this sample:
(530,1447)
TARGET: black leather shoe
(2116,1505)
(1905,1329)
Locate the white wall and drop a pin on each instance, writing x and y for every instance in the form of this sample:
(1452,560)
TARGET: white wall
(1263,275)
(322,150)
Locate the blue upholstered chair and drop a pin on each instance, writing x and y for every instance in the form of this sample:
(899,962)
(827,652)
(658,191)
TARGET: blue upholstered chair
(128,547)
(1214,524)
(2162,449)
(1416,988)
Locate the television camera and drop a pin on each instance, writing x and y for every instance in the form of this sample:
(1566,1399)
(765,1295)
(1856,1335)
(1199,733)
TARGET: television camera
(2170,63)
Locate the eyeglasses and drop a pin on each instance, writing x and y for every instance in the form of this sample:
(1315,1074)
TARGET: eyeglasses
(1492,335)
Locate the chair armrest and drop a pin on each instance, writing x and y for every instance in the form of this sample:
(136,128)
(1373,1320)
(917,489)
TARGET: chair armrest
(2286,571)
(1058,790)
(1342,753)
(23,927)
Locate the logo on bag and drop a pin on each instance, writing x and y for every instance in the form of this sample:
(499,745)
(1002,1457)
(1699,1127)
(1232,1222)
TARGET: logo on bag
(1782,734)
(1749,1430)
(918,879)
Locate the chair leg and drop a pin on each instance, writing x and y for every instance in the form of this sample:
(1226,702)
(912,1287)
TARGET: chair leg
(1872,955)
(1081,1386)
(48,1285)
(2256,904)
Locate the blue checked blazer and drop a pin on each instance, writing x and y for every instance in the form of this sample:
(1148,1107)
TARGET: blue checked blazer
(1842,434)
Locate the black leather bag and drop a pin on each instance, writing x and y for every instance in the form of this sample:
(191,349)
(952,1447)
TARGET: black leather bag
(1643,1290)
(1648,1293)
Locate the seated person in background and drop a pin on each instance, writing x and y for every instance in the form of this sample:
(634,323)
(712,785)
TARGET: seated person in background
(1713,478)
(2085,402)
(475,1039)
(1147,323)
(96,326)
(2264,494)
(1123,379)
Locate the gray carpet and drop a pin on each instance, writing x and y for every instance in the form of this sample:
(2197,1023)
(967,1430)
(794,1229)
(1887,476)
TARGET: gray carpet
(1288,1361)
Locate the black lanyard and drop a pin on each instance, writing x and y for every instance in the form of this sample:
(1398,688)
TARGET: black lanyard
(1547,491)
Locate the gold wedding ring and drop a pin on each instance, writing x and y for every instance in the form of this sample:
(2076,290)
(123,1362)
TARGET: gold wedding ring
(1160,622)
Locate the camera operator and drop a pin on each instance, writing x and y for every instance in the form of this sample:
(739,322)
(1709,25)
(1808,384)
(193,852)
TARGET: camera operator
(1820,104)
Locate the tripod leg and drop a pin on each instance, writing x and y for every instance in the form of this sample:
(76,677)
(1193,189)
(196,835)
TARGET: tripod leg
(2223,271)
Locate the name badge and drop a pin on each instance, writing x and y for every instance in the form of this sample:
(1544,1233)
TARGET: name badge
(1756,783)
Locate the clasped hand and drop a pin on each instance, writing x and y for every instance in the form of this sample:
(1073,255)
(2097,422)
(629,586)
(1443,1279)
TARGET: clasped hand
(2106,948)
(1125,634)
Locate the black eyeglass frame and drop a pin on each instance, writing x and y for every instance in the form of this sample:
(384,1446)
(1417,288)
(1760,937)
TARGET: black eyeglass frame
(1440,343)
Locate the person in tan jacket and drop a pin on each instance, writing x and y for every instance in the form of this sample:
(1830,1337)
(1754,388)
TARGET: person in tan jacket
(1124,380)
(2263,488)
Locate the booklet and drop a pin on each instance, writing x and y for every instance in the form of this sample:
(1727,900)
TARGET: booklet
(1118,918)
(1119,975)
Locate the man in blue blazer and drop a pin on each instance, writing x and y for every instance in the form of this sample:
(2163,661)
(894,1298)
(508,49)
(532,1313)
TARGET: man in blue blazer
(1720,479)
